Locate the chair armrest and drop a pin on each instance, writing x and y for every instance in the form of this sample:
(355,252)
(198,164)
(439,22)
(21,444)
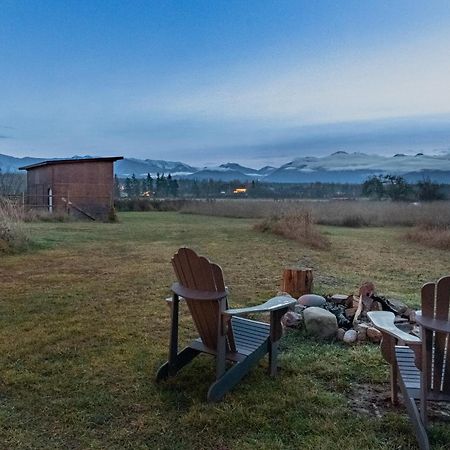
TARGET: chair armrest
(194,294)
(272,304)
(442,326)
(384,321)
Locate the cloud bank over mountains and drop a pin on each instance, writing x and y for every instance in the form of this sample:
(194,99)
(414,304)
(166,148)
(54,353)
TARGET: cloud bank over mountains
(338,167)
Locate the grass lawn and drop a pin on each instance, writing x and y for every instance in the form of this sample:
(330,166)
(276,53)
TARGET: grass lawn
(84,327)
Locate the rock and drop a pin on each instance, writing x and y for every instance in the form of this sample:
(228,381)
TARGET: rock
(320,322)
(398,306)
(350,336)
(349,302)
(361,330)
(291,319)
(410,314)
(350,312)
(339,299)
(374,335)
(311,300)
(340,334)
(376,306)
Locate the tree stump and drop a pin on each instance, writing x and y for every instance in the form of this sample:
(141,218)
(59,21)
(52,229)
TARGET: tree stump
(297,282)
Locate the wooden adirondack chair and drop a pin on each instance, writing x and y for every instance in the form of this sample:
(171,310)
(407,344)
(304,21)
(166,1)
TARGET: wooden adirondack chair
(423,365)
(222,332)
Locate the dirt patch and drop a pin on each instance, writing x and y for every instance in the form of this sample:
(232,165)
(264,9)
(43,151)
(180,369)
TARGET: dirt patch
(375,400)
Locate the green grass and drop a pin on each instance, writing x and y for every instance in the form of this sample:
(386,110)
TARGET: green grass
(84,326)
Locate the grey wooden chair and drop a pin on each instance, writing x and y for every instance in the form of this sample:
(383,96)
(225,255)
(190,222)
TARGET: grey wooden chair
(223,333)
(422,366)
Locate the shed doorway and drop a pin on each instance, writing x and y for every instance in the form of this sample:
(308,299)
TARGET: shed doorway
(50,200)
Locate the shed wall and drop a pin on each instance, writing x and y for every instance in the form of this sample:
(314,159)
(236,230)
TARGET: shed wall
(88,185)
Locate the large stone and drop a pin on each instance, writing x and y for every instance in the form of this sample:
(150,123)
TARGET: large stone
(320,322)
(311,300)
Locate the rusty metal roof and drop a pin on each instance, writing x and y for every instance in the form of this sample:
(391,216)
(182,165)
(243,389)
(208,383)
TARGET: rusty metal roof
(70,161)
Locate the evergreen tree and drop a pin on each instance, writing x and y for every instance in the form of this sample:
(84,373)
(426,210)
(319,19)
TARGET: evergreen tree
(135,186)
(163,186)
(173,186)
(149,183)
(128,188)
(195,189)
(158,185)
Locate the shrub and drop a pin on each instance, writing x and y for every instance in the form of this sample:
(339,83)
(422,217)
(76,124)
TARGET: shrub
(298,227)
(12,234)
(431,236)
(147,204)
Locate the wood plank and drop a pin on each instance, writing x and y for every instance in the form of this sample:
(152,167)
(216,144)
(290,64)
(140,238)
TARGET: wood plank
(195,294)
(235,374)
(273,304)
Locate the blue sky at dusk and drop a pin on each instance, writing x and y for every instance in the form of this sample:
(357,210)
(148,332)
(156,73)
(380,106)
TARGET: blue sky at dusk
(257,82)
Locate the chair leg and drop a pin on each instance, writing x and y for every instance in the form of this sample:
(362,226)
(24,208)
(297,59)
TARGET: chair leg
(414,415)
(233,375)
(169,369)
(273,354)
(394,384)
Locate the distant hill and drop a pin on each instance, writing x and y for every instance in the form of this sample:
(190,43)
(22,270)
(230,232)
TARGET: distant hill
(339,167)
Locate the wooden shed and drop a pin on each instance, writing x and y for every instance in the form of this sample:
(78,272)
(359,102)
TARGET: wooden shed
(81,186)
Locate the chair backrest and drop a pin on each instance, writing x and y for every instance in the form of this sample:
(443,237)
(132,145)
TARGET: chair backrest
(197,272)
(436,305)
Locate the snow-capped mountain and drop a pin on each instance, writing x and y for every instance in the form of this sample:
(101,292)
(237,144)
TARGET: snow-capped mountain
(339,167)
(356,167)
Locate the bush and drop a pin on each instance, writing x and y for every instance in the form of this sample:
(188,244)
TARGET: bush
(354,221)
(12,234)
(147,204)
(298,227)
(431,236)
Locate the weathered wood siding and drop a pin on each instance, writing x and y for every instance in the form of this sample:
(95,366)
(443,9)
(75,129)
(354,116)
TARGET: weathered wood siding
(87,184)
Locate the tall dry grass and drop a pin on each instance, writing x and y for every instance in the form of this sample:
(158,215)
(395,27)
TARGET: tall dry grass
(340,213)
(298,227)
(13,236)
(431,236)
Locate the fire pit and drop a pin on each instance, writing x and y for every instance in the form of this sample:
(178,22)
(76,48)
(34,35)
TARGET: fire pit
(345,316)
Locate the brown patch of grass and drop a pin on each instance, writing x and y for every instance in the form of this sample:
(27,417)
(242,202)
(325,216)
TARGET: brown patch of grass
(431,236)
(298,227)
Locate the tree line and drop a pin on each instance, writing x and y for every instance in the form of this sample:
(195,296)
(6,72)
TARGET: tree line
(396,188)
(378,187)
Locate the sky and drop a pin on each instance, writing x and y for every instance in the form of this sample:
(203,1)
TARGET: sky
(205,82)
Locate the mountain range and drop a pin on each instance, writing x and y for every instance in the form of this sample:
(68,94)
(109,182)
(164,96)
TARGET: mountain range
(339,167)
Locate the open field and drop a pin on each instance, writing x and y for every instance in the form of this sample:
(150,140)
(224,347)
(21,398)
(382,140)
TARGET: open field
(354,213)
(83,328)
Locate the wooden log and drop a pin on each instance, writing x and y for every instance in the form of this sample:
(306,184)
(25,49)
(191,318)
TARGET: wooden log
(297,282)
